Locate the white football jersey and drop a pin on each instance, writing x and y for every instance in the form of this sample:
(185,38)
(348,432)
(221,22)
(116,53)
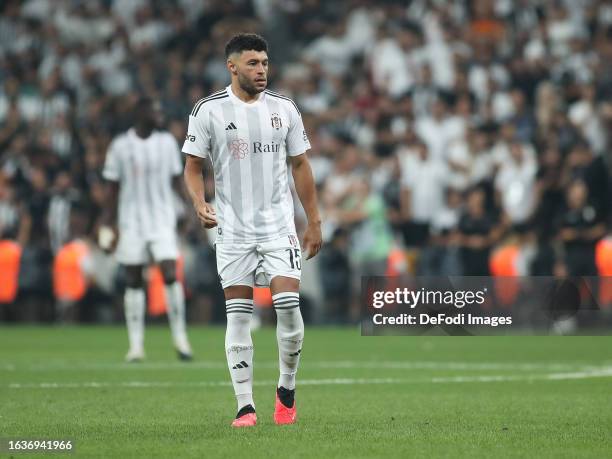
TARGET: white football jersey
(144,169)
(248,146)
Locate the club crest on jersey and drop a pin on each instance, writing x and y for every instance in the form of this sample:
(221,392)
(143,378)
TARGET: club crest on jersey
(239,149)
(276,120)
(293,240)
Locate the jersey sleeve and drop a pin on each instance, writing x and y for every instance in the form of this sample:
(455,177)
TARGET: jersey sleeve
(197,141)
(112,165)
(297,139)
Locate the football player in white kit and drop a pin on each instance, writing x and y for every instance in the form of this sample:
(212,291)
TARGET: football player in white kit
(249,133)
(143,165)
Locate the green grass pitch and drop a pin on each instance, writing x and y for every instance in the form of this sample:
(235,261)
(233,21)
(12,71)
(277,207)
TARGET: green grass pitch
(357,396)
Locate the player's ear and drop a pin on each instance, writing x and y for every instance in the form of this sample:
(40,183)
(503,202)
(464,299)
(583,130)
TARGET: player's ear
(231,66)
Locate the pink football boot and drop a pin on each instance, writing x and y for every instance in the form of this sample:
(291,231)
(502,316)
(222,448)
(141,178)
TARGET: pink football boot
(283,414)
(246,417)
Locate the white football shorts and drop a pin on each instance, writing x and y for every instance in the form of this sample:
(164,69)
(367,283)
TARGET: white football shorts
(256,264)
(134,249)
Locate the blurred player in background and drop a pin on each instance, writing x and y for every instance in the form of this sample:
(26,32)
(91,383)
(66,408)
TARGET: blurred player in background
(249,133)
(143,165)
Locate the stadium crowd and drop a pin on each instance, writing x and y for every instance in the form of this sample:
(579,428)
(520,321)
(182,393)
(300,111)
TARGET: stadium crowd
(441,130)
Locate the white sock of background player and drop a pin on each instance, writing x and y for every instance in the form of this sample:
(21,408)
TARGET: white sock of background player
(175,298)
(134,307)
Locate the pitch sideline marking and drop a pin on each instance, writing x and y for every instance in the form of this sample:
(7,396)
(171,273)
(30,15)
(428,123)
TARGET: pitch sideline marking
(605,372)
(346,364)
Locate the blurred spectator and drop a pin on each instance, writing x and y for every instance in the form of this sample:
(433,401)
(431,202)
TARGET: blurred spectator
(340,187)
(63,195)
(423,183)
(582,164)
(549,191)
(14,222)
(584,115)
(477,230)
(580,228)
(515,183)
(396,59)
(332,52)
(437,130)
(441,256)
(470,160)
(371,238)
(335,277)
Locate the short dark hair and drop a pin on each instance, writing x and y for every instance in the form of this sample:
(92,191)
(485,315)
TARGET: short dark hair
(142,107)
(144,102)
(245,42)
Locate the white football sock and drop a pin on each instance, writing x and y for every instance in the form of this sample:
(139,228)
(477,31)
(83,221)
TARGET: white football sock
(289,335)
(175,298)
(239,349)
(134,307)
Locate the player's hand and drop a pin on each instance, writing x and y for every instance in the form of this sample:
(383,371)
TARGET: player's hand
(108,236)
(569,234)
(312,240)
(207,215)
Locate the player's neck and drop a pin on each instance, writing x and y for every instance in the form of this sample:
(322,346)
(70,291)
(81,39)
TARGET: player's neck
(143,131)
(242,94)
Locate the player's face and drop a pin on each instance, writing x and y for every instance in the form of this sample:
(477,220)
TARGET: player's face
(151,116)
(251,69)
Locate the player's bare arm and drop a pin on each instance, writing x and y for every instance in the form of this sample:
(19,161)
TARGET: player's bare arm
(194,182)
(109,232)
(307,192)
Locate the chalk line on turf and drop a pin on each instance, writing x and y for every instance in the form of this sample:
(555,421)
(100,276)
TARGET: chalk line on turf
(340,364)
(602,372)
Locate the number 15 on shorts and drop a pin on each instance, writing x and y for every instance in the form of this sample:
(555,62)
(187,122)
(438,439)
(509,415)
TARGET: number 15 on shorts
(294,258)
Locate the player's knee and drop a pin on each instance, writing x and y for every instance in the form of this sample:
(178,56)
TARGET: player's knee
(134,283)
(168,270)
(282,284)
(133,277)
(169,276)
(238,291)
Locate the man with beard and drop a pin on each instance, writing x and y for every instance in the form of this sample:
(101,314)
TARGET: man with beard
(248,133)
